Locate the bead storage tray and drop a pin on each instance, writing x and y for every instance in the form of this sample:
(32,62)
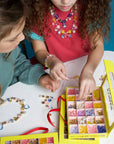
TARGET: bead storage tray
(94,115)
(63,129)
(45,138)
(85,116)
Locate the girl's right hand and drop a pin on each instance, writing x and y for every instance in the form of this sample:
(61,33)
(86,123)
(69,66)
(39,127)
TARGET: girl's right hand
(47,82)
(57,69)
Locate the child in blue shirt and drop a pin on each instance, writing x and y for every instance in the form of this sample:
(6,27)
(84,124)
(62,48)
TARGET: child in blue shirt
(14,66)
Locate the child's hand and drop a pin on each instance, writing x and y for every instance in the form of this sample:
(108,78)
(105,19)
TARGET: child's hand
(87,84)
(57,69)
(47,82)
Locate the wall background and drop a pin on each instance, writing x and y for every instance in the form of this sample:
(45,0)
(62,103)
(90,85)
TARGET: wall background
(110,45)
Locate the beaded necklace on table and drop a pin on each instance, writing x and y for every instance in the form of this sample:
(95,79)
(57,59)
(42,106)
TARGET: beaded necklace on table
(62,30)
(23,107)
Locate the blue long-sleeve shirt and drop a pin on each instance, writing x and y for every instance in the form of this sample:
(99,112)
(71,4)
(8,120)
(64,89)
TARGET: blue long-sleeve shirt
(18,68)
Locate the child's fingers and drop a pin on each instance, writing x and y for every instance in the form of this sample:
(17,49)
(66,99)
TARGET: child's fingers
(81,92)
(54,85)
(54,76)
(58,76)
(63,71)
(48,86)
(92,88)
(62,76)
(84,90)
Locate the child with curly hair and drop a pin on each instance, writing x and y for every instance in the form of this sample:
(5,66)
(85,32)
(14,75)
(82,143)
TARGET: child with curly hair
(14,66)
(63,30)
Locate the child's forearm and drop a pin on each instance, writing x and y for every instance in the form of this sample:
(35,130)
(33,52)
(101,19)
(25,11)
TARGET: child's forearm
(40,50)
(94,59)
(95,55)
(87,82)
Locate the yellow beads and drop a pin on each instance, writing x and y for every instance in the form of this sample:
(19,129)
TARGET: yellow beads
(97,105)
(69,31)
(75,17)
(54,20)
(71,98)
(43,141)
(83,129)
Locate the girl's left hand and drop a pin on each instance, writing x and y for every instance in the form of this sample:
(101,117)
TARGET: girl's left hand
(87,84)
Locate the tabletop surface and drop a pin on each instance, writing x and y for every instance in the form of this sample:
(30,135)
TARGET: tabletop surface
(35,96)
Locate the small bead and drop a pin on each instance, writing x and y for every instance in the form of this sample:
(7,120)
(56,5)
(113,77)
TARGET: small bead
(64,25)
(74,31)
(49,100)
(69,31)
(58,26)
(4,122)
(27,106)
(62,36)
(70,14)
(1,126)
(19,115)
(8,99)
(56,29)
(59,32)
(11,120)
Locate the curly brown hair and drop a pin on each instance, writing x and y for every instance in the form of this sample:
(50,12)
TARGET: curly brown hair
(94,15)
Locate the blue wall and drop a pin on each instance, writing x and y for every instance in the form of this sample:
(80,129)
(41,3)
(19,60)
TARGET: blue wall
(110,45)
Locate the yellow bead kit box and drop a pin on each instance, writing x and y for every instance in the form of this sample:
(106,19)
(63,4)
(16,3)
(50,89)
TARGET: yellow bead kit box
(93,116)
(63,130)
(47,138)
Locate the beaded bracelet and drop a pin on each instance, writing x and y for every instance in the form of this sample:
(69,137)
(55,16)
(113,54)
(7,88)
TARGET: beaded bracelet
(46,60)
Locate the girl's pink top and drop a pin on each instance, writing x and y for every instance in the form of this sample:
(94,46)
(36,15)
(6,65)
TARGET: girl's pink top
(65,49)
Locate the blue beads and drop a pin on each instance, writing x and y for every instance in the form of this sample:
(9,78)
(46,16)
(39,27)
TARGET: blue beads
(63,21)
(90,112)
(73,129)
(62,36)
(101,128)
(8,99)
(11,120)
(70,14)
(56,15)
(64,25)
(49,100)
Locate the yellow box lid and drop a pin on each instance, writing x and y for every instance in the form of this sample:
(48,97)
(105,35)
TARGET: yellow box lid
(108,93)
(110,75)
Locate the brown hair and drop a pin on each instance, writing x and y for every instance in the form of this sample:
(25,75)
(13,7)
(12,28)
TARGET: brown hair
(94,15)
(11,12)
